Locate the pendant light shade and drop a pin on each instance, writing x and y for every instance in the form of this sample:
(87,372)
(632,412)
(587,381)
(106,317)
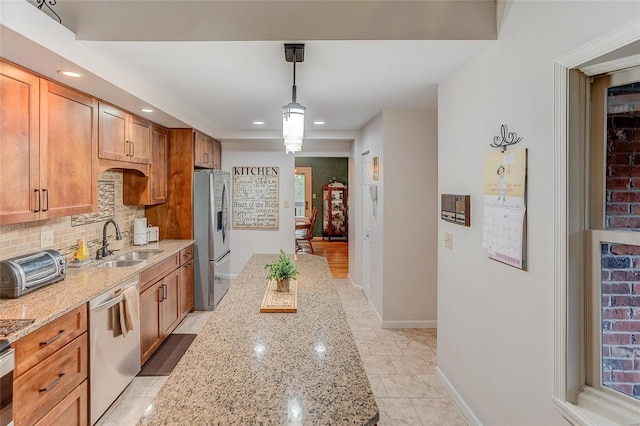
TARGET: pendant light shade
(293,113)
(293,121)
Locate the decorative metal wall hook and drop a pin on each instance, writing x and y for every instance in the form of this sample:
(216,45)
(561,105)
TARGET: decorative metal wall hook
(49,3)
(505,139)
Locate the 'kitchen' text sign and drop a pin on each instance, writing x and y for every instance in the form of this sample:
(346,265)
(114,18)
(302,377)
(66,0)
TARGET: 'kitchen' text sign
(256,198)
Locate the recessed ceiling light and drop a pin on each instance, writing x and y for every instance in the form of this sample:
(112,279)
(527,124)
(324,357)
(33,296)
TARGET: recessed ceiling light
(318,122)
(146,110)
(68,73)
(258,122)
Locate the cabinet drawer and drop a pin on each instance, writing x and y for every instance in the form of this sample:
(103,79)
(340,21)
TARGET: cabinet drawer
(36,346)
(51,381)
(154,273)
(73,410)
(186,255)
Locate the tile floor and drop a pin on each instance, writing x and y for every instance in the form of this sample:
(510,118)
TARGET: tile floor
(400,364)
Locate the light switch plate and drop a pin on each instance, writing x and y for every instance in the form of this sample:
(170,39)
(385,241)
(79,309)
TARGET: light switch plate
(46,239)
(286,204)
(448,240)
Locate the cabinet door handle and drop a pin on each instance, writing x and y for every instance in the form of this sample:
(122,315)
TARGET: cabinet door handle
(53,339)
(45,193)
(166,292)
(36,196)
(54,383)
(206,157)
(128,148)
(133,148)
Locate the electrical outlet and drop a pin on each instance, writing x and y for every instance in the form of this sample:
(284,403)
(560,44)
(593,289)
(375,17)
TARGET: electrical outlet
(448,240)
(46,239)
(313,196)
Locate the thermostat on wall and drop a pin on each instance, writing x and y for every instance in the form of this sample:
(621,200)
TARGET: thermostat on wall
(456,208)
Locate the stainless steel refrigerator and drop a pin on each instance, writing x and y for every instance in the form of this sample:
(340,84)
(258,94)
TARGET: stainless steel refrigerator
(211,233)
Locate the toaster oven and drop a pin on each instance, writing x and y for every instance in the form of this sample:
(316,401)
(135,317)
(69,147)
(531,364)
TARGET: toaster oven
(22,274)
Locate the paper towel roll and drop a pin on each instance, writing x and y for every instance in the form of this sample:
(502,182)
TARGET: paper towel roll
(140,231)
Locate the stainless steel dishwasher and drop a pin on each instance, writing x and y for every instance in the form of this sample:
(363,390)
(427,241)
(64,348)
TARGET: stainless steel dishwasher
(114,355)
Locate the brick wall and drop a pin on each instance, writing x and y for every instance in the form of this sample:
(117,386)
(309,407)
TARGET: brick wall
(620,285)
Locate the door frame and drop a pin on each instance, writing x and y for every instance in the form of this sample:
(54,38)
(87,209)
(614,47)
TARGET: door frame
(308,188)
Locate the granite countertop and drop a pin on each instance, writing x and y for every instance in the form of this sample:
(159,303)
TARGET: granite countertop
(247,367)
(80,286)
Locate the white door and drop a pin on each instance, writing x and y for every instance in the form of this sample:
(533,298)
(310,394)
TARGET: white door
(367,215)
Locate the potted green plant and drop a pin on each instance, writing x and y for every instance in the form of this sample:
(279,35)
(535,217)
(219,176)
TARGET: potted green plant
(281,270)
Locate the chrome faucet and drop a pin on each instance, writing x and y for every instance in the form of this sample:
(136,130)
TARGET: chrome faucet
(104,250)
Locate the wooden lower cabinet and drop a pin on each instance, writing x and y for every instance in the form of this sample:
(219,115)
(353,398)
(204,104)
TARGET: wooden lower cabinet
(159,313)
(166,297)
(169,307)
(186,288)
(187,269)
(51,373)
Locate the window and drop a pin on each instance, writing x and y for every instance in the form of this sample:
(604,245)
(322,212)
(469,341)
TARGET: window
(613,306)
(598,222)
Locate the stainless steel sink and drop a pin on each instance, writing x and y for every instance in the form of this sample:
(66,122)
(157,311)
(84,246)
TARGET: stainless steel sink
(139,255)
(120,263)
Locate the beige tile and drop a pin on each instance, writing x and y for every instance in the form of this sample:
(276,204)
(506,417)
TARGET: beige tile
(412,386)
(383,347)
(126,412)
(363,348)
(438,412)
(139,387)
(397,411)
(378,364)
(413,347)
(389,334)
(364,334)
(193,323)
(379,391)
(412,364)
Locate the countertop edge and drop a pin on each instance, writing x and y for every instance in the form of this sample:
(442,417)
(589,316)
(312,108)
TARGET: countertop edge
(89,281)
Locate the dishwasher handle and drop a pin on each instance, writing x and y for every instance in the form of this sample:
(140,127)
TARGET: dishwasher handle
(109,303)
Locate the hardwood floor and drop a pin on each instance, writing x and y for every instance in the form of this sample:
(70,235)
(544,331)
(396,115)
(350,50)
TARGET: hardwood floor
(337,254)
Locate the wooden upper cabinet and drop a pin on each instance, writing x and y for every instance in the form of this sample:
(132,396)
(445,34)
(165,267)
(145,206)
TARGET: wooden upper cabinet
(48,147)
(203,150)
(217,155)
(123,137)
(140,140)
(142,190)
(208,151)
(19,145)
(68,151)
(159,158)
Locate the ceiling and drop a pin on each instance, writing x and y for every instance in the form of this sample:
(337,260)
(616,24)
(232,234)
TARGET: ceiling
(219,65)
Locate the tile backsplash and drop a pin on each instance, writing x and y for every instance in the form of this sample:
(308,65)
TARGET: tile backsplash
(20,238)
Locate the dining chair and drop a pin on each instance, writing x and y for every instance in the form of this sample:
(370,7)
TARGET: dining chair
(305,235)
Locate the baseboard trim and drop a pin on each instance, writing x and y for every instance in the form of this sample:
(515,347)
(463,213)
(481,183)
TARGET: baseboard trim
(410,324)
(353,282)
(457,399)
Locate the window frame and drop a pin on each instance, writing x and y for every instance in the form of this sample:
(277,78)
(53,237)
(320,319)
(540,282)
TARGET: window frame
(577,401)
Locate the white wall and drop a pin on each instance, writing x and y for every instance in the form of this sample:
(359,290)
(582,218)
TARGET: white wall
(403,261)
(496,323)
(244,243)
(410,218)
(371,139)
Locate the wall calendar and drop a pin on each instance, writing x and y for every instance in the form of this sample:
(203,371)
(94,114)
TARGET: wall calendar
(504,199)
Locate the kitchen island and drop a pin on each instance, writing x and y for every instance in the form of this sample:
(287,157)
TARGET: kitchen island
(247,367)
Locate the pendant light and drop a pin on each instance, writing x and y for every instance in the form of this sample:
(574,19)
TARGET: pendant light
(293,113)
